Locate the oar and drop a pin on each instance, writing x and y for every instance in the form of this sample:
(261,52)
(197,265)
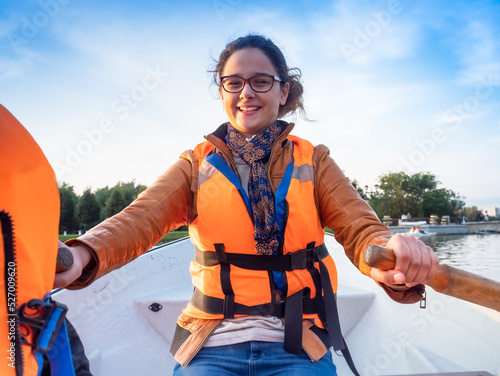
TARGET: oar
(64,259)
(447,280)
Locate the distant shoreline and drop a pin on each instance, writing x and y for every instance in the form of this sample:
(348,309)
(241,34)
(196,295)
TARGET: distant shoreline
(453,229)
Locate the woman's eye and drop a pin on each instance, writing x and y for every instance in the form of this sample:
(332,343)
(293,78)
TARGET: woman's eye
(261,81)
(232,83)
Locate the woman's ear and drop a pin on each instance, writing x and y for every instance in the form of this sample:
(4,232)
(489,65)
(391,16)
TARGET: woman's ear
(284,93)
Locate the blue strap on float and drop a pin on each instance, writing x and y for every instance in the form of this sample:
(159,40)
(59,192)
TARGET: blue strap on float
(59,355)
(279,203)
(50,335)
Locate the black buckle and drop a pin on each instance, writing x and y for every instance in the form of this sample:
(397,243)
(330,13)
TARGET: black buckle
(312,257)
(36,320)
(303,259)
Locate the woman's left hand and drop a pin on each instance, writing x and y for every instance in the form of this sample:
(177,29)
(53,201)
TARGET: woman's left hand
(416,263)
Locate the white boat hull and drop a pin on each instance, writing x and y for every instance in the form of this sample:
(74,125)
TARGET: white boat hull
(420,234)
(415,223)
(122,335)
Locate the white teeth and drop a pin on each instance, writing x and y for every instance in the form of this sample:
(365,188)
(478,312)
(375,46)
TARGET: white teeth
(249,108)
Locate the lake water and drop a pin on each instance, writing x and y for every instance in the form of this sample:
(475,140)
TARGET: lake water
(479,254)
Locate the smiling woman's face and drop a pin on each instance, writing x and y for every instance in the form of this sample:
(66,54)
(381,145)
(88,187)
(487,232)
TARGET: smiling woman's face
(250,112)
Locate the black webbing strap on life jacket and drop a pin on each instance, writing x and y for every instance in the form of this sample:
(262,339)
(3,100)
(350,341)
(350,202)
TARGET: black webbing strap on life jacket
(225,281)
(293,321)
(282,263)
(215,306)
(293,308)
(333,321)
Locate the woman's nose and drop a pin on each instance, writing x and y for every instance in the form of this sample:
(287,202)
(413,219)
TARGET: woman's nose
(247,91)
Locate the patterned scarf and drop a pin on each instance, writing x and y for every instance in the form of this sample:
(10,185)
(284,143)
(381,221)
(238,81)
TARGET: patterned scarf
(255,153)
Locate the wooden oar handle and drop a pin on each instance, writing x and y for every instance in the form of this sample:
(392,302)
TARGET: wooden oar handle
(379,257)
(447,280)
(64,259)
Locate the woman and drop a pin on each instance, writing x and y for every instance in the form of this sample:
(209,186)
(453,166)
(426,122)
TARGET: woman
(256,200)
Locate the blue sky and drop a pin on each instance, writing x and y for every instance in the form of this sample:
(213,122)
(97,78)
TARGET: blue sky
(115,91)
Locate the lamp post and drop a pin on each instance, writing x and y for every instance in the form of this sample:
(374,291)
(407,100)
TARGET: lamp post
(370,193)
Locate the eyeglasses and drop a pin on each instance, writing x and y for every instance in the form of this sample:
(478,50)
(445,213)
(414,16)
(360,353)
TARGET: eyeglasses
(260,84)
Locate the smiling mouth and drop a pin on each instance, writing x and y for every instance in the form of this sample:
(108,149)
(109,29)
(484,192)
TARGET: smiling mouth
(248,109)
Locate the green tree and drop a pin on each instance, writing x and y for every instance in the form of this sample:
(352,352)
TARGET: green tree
(399,191)
(69,199)
(88,210)
(441,202)
(379,204)
(470,213)
(91,208)
(116,203)
(417,194)
(130,191)
(102,197)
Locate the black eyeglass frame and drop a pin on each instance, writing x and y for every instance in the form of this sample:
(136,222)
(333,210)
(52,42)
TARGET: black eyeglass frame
(247,80)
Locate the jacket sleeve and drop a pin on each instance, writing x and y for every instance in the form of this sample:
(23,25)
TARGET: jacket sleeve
(354,222)
(118,240)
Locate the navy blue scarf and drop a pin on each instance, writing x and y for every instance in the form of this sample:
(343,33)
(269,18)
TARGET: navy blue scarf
(255,153)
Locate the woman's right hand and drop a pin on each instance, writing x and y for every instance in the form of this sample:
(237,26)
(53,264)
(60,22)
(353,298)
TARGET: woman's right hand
(81,257)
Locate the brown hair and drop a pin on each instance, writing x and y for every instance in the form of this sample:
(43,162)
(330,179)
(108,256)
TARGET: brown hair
(294,101)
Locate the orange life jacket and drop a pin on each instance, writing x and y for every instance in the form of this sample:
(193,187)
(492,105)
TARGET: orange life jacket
(231,280)
(29,213)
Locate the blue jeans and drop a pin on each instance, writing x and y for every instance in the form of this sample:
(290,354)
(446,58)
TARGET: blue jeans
(255,358)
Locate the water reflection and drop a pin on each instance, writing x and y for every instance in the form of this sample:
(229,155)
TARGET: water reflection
(478,254)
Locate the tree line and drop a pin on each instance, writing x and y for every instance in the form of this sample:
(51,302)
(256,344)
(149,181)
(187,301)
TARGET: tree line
(397,193)
(80,213)
(418,194)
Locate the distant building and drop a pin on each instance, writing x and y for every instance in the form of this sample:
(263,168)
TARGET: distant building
(493,212)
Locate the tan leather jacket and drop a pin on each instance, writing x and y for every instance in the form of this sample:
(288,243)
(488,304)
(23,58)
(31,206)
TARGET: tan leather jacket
(171,202)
